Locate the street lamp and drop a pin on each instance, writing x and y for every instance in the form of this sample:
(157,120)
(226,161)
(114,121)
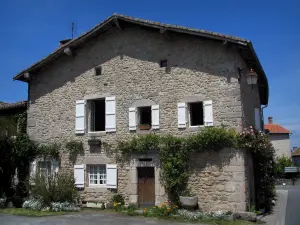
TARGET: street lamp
(252,77)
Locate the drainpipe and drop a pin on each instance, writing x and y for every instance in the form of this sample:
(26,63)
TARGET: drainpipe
(263,119)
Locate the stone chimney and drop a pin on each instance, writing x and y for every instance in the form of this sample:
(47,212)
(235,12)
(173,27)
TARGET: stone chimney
(65,41)
(270,118)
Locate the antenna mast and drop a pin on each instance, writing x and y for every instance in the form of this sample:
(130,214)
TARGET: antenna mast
(73,24)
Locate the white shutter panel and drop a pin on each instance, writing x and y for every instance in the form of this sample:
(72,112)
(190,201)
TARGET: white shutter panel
(54,166)
(80,120)
(79,175)
(111,176)
(155,116)
(110,114)
(33,168)
(257,119)
(132,118)
(208,113)
(181,115)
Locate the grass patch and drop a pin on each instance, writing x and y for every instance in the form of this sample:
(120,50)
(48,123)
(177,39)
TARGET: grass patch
(28,212)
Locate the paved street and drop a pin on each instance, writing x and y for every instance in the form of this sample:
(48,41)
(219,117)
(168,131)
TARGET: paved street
(83,219)
(292,216)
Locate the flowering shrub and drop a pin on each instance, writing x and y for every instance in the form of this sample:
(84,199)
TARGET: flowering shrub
(165,209)
(36,204)
(197,215)
(33,204)
(118,206)
(64,206)
(2,202)
(263,154)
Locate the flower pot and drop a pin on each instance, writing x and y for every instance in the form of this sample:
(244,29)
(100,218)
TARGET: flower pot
(188,202)
(145,127)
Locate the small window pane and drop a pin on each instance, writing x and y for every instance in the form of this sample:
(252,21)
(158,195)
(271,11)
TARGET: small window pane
(97,174)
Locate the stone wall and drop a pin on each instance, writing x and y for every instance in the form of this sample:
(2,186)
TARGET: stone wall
(282,144)
(130,63)
(221,180)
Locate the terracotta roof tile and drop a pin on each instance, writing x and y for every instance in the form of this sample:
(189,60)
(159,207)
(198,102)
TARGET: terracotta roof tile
(5,105)
(276,129)
(296,152)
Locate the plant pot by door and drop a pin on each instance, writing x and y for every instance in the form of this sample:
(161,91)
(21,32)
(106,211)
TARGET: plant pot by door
(188,202)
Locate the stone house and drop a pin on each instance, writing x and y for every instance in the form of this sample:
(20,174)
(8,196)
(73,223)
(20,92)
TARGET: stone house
(279,137)
(128,77)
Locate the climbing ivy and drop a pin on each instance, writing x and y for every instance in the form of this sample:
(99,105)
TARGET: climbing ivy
(174,154)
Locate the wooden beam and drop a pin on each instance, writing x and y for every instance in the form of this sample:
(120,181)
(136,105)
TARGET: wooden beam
(165,33)
(118,24)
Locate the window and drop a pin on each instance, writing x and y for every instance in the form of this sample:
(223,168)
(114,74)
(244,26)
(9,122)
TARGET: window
(44,167)
(98,70)
(97,174)
(145,118)
(97,115)
(196,114)
(163,63)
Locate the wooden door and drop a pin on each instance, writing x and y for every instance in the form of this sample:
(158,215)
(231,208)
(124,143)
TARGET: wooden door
(146,186)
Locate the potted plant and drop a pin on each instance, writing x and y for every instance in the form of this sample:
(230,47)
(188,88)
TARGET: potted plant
(145,126)
(187,200)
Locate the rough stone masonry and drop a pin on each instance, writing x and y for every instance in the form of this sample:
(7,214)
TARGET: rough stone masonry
(199,69)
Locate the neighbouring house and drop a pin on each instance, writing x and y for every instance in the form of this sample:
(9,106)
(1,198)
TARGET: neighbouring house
(279,137)
(128,77)
(296,156)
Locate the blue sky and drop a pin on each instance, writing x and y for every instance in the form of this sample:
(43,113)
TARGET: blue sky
(31,29)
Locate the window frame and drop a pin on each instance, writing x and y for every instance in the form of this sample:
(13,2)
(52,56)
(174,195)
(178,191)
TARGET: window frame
(139,117)
(98,179)
(189,114)
(48,168)
(89,121)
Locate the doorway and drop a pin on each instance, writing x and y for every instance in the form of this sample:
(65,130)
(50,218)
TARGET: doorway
(146,186)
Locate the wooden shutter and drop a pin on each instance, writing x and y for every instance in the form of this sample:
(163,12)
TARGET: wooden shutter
(181,115)
(257,119)
(54,166)
(208,113)
(33,168)
(79,175)
(111,176)
(80,117)
(110,114)
(132,118)
(155,116)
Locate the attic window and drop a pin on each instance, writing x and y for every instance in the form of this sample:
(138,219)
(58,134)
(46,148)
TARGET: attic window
(98,70)
(163,63)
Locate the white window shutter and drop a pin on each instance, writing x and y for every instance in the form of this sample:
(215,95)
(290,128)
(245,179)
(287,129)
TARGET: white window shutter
(208,113)
(110,114)
(181,115)
(54,166)
(79,175)
(111,175)
(155,116)
(132,118)
(257,119)
(33,168)
(80,117)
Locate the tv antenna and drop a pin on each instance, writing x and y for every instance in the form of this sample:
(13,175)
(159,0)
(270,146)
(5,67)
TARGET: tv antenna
(73,30)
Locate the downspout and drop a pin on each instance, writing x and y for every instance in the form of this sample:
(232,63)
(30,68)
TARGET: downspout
(263,119)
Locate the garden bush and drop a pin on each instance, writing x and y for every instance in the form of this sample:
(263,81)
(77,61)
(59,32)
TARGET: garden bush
(2,202)
(33,204)
(54,188)
(118,198)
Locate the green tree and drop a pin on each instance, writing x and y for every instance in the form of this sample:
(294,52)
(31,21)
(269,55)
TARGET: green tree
(281,163)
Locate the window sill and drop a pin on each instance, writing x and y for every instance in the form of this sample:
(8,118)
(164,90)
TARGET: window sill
(97,134)
(195,128)
(96,188)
